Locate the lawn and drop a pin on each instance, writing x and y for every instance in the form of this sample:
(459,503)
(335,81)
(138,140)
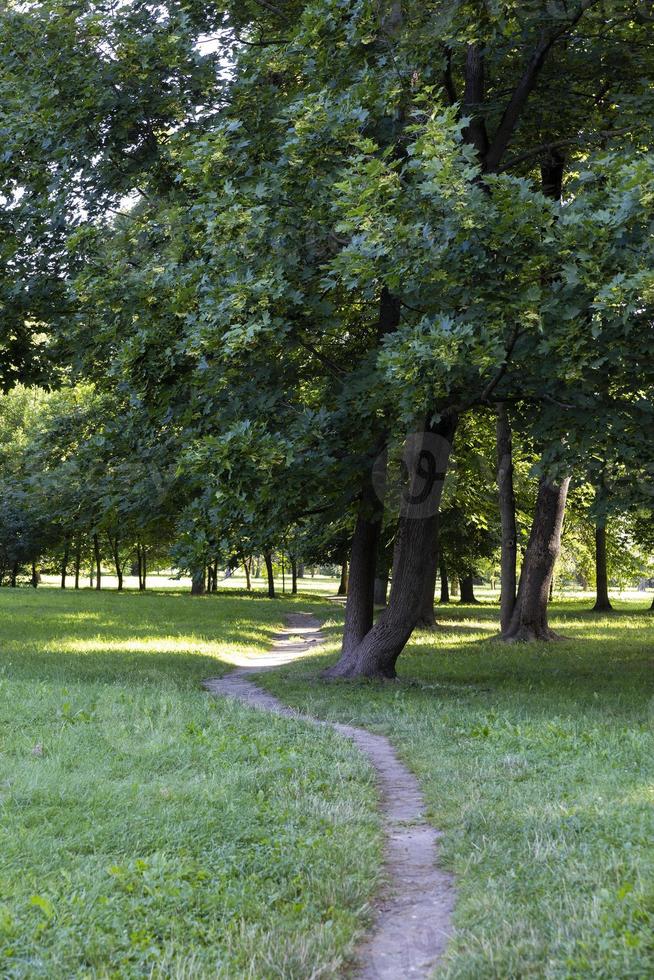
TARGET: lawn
(538,763)
(147,829)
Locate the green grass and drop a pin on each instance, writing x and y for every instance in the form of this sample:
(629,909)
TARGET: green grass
(147,829)
(537,762)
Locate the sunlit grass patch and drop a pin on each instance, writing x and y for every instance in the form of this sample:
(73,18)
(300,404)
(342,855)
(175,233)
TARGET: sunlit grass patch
(148,829)
(537,761)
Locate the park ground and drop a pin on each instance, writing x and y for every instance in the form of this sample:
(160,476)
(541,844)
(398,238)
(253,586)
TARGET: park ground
(148,830)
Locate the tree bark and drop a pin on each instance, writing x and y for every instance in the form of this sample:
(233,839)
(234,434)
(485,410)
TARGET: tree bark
(602,600)
(35,576)
(98,562)
(381,589)
(113,547)
(64,561)
(509,544)
(468,590)
(415,556)
(14,575)
(198,581)
(267,557)
(343,584)
(529,619)
(445,585)
(293,575)
(360,605)
(246,569)
(78,559)
(427,616)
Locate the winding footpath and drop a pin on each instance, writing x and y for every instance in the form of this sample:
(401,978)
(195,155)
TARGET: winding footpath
(413,915)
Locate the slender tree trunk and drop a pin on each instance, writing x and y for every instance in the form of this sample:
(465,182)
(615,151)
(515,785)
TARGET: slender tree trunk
(343,584)
(113,547)
(14,575)
(602,601)
(529,619)
(509,545)
(267,557)
(78,559)
(35,576)
(293,575)
(427,616)
(360,605)
(415,557)
(64,561)
(144,569)
(98,562)
(246,569)
(468,590)
(445,585)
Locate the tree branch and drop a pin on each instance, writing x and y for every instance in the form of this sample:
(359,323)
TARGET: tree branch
(523,89)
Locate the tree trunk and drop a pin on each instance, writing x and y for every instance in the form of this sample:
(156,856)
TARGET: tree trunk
(300,569)
(381,589)
(445,585)
(98,562)
(427,616)
(113,547)
(293,575)
(455,586)
(415,557)
(602,601)
(14,574)
(64,561)
(468,590)
(198,581)
(509,545)
(35,576)
(343,584)
(267,557)
(529,619)
(246,569)
(78,559)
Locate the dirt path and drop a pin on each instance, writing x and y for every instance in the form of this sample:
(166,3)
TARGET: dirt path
(413,915)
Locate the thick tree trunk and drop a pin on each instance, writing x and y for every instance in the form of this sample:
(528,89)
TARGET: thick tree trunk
(415,557)
(343,584)
(468,590)
(445,585)
(602,601)
(509,545)
(381,589)
(529,619)
(267,557)
(293,576)
(199,581)
(98,562)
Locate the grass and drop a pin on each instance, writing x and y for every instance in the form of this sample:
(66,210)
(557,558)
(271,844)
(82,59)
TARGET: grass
(537,762)
(147,829)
